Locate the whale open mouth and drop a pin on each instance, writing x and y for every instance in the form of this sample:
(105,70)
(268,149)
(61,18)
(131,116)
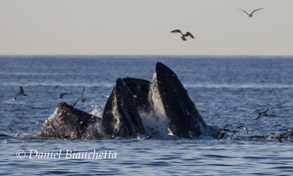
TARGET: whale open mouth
(135,108)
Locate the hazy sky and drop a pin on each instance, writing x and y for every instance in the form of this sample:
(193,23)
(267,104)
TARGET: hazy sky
(139,27)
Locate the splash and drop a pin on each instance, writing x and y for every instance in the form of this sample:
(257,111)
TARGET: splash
(155,121)
(116,115)
(58,127)
(95,111)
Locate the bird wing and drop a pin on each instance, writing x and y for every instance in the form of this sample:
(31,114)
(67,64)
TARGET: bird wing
(14,132)
(177,31)
(82,97)
(226,126)
(189,34)
(243,127)
(220,136)
(256,10)
(17,95)
(183,38)
(234,132)
(82,91)
(21,90)
(266,111)
(244,12)
(258,117)
(75,102)
(170,133)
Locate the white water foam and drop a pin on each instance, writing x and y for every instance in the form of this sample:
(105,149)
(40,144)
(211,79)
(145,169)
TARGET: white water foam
(54,126)
(116,114)
(95,112)
(155,122)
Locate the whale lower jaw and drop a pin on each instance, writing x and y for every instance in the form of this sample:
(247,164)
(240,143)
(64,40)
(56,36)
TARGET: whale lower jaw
(135,108)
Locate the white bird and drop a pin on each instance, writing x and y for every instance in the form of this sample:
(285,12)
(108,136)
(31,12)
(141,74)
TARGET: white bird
(170,133)
(183,36)
(250,14)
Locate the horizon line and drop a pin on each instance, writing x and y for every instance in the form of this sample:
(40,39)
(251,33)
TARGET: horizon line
(141,55)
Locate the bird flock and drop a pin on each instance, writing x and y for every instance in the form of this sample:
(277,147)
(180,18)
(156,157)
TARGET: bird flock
(82,98)
(226,132)
(230,132)
(188,34)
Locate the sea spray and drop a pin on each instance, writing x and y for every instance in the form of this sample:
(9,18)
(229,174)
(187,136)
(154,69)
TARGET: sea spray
(155,122)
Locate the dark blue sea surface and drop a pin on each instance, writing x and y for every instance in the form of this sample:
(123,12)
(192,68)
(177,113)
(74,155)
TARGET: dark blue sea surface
(225,89)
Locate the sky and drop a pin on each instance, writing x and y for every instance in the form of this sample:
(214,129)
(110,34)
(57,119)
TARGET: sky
(142,27)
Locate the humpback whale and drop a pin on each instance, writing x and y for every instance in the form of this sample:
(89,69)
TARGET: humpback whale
(135,108)
(68,122)
(185,119)
(140,91)
(120,116)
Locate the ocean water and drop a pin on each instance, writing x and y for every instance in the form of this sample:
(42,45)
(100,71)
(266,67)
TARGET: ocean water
(225,89)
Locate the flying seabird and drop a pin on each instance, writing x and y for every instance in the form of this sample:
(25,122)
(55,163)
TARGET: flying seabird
(14,132)
(260,114)
(223,131)
(82,99)
(250,14)
(183,36)
(21,93)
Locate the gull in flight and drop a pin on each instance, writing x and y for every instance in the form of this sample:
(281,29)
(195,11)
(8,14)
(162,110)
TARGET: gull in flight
(260,114)
(250,14)
(21,92)
(223,131)
(183,36)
